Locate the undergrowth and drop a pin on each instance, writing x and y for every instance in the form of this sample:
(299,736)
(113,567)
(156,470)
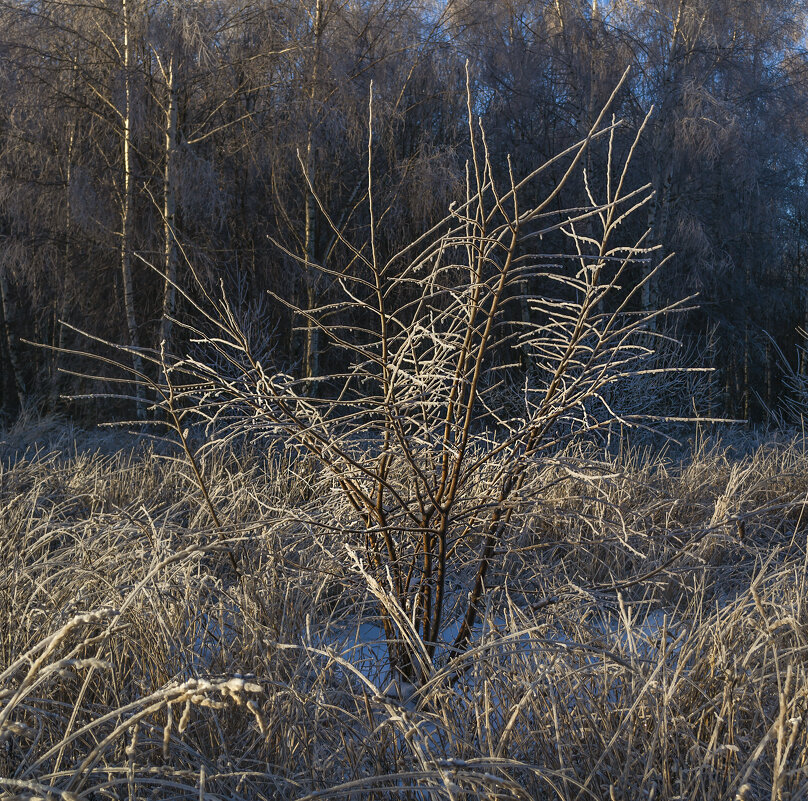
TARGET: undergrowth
(644,634)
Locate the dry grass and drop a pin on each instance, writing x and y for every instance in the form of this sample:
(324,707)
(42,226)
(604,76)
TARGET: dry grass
(135,663)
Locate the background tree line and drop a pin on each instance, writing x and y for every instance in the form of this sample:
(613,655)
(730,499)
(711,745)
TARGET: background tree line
(142,141)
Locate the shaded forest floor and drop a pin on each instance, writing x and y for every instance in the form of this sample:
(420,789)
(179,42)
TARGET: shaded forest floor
(644,636)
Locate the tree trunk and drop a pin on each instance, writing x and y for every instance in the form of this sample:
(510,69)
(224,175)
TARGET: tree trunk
(662,175)
(8,314)
(67,266)
(169,212)
(657,225)
(747,356)
(312,352)
(127,211)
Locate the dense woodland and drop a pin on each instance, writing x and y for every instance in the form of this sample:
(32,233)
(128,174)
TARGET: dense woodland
(219,143)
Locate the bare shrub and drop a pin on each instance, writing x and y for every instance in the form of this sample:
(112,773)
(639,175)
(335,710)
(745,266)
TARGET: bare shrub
(427,454)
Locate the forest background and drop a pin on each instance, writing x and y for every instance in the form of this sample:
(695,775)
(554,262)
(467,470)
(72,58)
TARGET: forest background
(142,141)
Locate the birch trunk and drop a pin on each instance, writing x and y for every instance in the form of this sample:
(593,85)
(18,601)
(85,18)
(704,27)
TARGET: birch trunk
(169,212)
(127,208)
(312,353)
(67,262)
